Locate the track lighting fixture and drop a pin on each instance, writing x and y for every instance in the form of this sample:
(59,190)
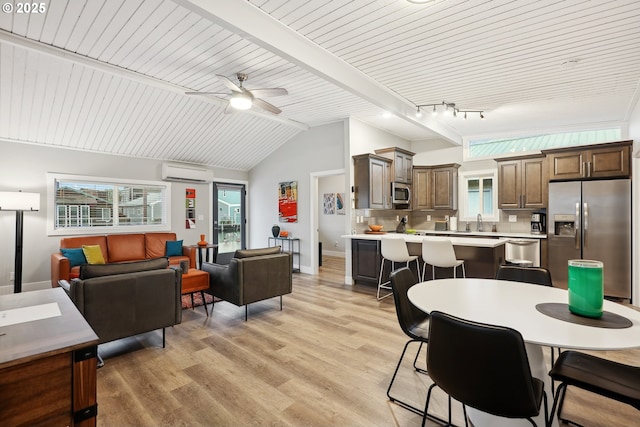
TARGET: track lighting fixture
(448,105)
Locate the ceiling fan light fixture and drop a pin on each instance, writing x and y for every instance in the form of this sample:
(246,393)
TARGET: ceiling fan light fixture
(240,101)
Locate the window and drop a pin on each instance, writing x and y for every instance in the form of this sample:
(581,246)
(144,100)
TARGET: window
(518,145)
(80,205)
(478,190)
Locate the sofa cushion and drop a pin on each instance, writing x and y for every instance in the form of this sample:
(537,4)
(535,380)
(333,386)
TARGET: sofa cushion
(93,254)
(247,253)
(174,248)
(79,241)
(75,255)
(155,244)
(126,247)
(88,271)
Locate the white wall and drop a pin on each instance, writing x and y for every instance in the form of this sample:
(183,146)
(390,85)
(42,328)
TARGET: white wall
(331,226)
(321,148)
(24,167)
(366,139)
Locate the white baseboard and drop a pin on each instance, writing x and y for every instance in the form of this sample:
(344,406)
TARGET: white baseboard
(26,287)
(339,254)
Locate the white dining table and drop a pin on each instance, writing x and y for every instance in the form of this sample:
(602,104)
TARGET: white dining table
(513,304)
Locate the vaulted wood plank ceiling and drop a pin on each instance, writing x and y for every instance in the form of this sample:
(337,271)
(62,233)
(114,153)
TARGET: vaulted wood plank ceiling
(110,76)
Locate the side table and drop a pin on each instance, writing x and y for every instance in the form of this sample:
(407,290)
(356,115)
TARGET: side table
(292,246)
(209,248)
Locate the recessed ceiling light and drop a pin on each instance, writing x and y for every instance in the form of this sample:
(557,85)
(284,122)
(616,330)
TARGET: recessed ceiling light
(386,114)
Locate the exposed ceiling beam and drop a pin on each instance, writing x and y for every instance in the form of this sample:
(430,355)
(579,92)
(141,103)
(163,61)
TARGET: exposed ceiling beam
(253,24)
(15,40)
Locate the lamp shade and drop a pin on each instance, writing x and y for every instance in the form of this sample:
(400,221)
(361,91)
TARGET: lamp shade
(240,101)
(19,201)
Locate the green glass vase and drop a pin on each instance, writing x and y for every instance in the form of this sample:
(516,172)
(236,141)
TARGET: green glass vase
(586,287)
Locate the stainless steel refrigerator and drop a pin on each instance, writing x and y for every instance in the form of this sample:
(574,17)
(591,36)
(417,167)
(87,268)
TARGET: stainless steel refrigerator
(591,220)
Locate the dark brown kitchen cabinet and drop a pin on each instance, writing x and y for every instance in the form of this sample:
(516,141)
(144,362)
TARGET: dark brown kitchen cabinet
(611,160)
(365,260)
(372,181)
(523,183)
(402,166)
(445,187)
(422,187)
(435,187)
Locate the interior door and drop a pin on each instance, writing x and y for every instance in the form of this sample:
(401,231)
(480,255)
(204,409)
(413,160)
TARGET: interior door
(229,222)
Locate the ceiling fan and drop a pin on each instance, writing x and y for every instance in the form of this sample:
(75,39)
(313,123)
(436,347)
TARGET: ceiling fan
(242,98)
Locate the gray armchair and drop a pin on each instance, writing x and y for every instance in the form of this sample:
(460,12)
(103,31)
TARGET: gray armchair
(124,299)
(252,275)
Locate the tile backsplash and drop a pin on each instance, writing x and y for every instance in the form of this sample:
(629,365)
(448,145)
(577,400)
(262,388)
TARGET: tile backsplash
(418,220)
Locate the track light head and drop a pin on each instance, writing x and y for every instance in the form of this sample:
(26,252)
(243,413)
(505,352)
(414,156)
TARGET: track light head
(418,113)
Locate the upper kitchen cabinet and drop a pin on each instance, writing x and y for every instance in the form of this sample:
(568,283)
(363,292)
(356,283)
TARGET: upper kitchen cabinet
(445,187)
(523,182)
(611,160)
(402,166)
(372,178)
(422,188)
(435,187)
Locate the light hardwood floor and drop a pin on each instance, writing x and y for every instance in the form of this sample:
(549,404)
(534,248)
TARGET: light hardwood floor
(325,360)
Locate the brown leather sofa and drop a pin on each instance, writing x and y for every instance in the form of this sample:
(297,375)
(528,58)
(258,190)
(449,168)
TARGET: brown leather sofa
(125,248)
(252,275)
(119,300)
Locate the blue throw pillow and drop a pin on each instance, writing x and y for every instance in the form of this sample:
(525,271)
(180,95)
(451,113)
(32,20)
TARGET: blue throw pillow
(174,248)
(75,255)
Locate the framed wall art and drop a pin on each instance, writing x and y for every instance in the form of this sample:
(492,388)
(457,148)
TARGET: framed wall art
(288,201)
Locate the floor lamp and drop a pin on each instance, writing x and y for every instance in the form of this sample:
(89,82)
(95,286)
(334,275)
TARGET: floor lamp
(19,202)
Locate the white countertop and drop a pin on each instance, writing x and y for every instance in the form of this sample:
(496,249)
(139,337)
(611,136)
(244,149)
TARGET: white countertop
(457,241)
(486,234)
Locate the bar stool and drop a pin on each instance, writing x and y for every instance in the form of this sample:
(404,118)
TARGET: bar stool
(394,249)
(439,253)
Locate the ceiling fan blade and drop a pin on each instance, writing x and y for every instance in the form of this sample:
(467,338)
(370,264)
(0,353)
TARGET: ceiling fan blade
(228,83)
(206,93)
(276,91)
(261,103)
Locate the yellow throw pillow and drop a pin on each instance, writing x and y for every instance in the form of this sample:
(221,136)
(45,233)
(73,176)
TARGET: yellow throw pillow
(93,254)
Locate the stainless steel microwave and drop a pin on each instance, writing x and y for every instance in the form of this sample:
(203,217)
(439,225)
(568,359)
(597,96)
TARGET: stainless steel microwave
(400,194)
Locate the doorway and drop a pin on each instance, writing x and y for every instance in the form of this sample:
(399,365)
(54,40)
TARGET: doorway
(229,219)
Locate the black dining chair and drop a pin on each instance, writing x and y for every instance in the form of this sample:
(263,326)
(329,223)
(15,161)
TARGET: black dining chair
(484,367)
(534,275)
(607,378)
(413,322)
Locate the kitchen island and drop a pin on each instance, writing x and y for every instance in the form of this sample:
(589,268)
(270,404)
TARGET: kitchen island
(482,256)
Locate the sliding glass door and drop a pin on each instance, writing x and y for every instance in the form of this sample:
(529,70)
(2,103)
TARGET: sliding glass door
(228,219)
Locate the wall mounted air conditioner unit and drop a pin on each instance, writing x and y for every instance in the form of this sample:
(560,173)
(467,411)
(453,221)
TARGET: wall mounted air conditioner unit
(185,173)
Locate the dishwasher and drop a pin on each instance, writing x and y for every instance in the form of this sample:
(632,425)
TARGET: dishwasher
(524,252)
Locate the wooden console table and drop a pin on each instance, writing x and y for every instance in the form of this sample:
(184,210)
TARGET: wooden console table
(47,366)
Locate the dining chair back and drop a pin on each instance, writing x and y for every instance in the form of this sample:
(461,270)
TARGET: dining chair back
(607,378)
(413,322)
(439,252)
(483,366)
(393,249)
(533,275)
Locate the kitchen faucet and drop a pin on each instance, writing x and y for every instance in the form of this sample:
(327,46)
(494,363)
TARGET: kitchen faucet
(479,222)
